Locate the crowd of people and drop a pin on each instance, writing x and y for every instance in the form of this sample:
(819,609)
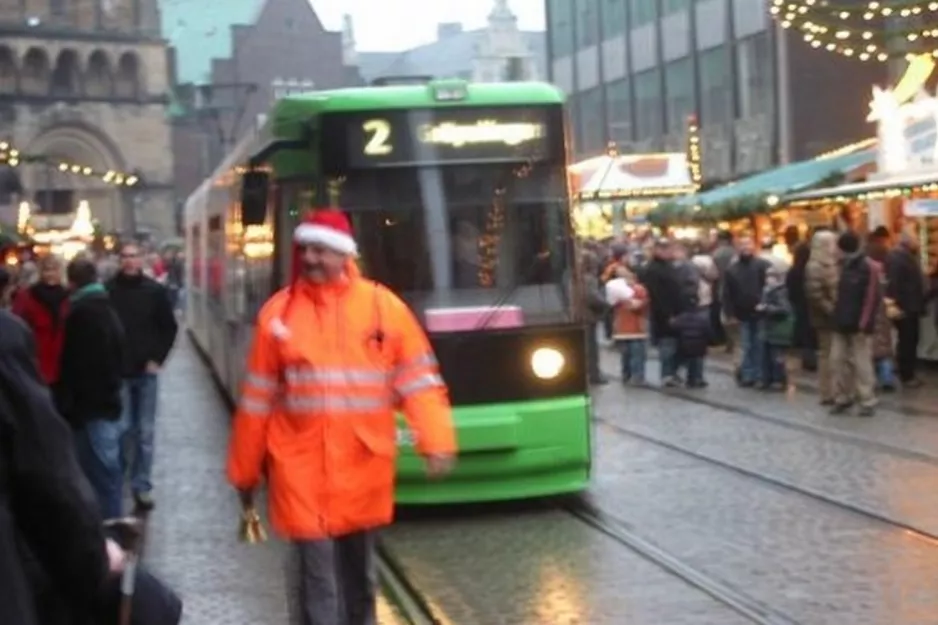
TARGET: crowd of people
(81,347)
(845,307)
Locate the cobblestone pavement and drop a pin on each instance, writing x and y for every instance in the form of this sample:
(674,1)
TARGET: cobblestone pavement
(893,424)
(192,535)
(842,470)
(815,562)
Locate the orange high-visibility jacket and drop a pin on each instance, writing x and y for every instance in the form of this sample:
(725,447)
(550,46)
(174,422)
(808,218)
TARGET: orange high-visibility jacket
(318,406)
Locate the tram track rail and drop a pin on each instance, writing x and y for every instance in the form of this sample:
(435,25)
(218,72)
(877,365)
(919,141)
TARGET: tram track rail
(405,597)
(746,606)
(839,436)
(776,482)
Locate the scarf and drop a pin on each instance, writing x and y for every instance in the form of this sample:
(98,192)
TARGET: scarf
(88,289)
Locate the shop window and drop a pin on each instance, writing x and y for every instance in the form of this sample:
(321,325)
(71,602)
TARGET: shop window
(587,22)
(756,75)
(613,18)
(679,87)
(619,108)
(716,89)
(648,103)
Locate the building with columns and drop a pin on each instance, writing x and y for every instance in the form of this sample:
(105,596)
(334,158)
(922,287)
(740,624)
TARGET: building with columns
(85,84)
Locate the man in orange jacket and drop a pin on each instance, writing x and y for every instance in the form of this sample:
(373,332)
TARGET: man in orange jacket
(334,357)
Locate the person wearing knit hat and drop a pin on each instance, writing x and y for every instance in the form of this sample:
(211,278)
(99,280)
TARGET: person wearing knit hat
(334,357)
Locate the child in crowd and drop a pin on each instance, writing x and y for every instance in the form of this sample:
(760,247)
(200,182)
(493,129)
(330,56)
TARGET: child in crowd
(629,300)
(778,323)
(693,338)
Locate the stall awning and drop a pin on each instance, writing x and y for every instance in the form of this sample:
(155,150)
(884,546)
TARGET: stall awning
(749,195)
(619,177)
(872,189)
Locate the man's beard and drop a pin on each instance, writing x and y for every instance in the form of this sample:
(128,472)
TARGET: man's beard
(315,272)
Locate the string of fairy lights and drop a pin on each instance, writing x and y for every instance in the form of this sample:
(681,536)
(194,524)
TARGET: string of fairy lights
(12,157)
(869,31)
(694,154)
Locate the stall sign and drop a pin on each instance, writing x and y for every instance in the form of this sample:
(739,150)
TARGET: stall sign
(921,208)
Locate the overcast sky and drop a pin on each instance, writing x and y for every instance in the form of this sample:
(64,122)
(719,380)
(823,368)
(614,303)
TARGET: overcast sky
(401,24)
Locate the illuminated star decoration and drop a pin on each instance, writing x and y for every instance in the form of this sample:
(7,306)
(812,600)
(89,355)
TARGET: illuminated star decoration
(892,108)
(869,31)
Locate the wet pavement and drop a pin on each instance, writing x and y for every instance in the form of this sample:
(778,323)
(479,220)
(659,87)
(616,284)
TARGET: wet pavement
(816,561)
(682,473)
(541,566)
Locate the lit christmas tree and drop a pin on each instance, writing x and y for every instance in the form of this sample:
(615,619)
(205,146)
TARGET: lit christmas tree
(82,226)
(866,30)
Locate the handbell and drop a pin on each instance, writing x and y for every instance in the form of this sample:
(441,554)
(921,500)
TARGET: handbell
(251,530)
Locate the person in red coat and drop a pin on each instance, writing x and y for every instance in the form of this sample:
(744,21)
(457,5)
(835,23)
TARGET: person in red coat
(43,306)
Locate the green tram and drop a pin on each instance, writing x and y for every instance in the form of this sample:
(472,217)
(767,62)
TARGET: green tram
(458,194)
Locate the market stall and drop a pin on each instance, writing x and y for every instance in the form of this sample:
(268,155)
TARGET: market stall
(902,194)
(615,192)
(754,206)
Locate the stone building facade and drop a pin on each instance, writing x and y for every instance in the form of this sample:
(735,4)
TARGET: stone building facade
(86,83)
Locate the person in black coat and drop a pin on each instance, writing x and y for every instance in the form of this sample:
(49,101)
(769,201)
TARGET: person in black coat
(804,337)
(905,285)
(146,312)
(742,291)
(52,543)
(666,296)
(88,393)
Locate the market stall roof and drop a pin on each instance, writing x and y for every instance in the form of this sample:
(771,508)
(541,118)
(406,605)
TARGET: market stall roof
(748,195)
(863,190)
(784,179)
(625,176)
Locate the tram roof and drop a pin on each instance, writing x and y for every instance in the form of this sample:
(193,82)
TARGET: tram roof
(419,96)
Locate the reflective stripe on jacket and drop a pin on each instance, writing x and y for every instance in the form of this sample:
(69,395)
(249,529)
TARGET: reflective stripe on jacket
(318,405)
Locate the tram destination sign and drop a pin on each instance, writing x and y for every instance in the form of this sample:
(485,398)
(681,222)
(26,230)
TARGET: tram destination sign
(409,137)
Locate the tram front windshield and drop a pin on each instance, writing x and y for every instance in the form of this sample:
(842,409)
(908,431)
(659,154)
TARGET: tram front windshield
(476,238)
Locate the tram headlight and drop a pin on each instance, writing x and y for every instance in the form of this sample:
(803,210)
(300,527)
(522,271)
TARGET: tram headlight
(547,363)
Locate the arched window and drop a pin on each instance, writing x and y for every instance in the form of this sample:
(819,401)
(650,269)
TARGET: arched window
(8,73)
(66,77)
(99,79)
(127,83)
(35,73)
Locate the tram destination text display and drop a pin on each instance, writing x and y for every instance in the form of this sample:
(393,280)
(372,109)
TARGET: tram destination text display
(411,137)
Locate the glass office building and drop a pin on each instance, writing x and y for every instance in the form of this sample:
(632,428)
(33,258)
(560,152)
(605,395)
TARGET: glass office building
(636,69)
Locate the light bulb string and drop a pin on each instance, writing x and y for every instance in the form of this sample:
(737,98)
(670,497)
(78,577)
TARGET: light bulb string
(861,32)
(12,157)
(884,8)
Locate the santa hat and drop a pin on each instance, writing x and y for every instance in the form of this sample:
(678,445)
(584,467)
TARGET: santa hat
(328,227)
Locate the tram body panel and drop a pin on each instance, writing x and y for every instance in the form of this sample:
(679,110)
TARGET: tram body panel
(455,211)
